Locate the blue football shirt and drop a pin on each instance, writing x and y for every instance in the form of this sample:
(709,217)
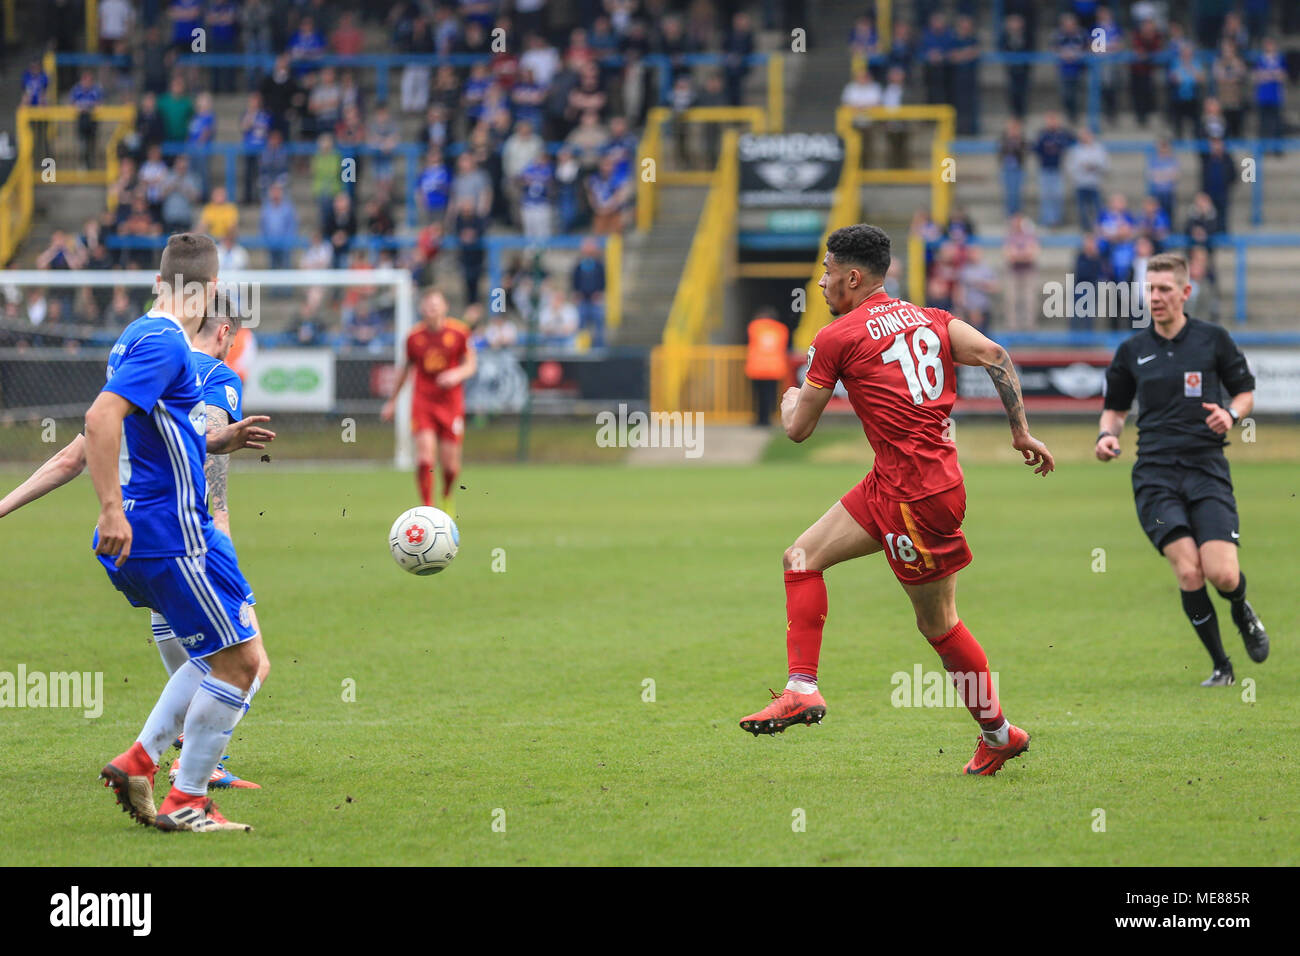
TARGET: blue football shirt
(221,386)
(164,441)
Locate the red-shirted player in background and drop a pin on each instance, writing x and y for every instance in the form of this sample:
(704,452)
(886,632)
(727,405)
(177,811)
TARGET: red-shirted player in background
(897,362)
(439,352)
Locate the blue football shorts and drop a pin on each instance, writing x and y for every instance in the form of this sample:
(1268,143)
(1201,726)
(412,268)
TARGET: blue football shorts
(205,600)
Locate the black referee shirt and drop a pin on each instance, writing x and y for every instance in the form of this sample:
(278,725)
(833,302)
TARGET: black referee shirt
(1170,379)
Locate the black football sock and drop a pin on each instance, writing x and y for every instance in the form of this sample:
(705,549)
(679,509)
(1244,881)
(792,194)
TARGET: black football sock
(1238,595)
(1199,610)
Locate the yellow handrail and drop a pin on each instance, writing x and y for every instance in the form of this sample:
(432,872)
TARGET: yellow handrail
(846,207)
(944,118)
(16,201)
(648,167)
(613,281)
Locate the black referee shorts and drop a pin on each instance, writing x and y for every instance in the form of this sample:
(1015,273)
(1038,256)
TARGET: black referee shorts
(1191,498)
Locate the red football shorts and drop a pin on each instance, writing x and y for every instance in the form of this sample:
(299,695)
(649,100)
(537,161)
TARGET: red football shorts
(922,539)
(446,422)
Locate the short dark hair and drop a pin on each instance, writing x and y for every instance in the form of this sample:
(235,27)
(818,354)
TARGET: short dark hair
(191,256)
(224,314)
(861,245)
(1169,262)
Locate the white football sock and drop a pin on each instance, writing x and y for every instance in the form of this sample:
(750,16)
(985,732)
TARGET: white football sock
(1000,737)
(167,716)
(248,700)
(172,653)
(801,686)
(213,713)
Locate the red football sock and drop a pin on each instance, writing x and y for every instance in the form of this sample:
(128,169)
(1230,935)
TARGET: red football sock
(448,482)
(966,663)
(424,478)
(805,613)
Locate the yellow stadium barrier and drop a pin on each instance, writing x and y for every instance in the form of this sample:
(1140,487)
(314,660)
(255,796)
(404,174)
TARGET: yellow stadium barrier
(938,177)
(653,173)
(702,378)
(613,281)
(16,201)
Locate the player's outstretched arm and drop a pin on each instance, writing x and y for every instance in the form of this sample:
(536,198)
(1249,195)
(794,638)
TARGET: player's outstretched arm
(103,447)
(386,413)
(216,469)
(245,433)
(801,409)
(66,463)
(972,347)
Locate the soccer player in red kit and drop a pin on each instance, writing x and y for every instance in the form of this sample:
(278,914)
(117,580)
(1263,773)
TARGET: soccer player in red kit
(897,362)
(441,356)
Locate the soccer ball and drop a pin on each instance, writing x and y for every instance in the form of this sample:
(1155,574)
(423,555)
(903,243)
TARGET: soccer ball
(424,540)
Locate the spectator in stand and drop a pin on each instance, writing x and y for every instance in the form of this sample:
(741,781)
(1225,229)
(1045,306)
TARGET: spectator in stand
(528,98)
(1202,222)
(1015,40)
(326,174)
(1231,77)
(185,16)
(1071,45)
(1186,84)
(1051,146)
(468,225)
(63,252)
(588,284)
(116,18)
(1218,175)
(428,244)
(519,149)
(558,318)
(938,294)
(737,47)
(434,185)
(199,134)
(279,226)
(350,137)
(1109,32)
(587,96)
(1270,78)
(340,224)
(1153,223)
(1012,150)
(976,285)
(152,179)
(963,60)
(536,197)
(84,96)
(221,20)
(540,59)
(1089,271)
(121,311)
(1213,124)
(121,189)
(158,60)
(902,49)
(379,217)
(255,32)
(220,215)
(383,136)
(231,257)
(148,128)
(589,140)
(350,94)
(860,93)
(306,44)
(324,104)
(863,41)
(273,163)
(177,109)
(568,190)
(316,257)
(282,95)
(1202,302)
(933,53)
(1087,162)
(1118,231)
(35,85)
(500,332)
(607,195)
(1162,177)
(436,128)
(471,184)
(1147,44)
(98,256)
(416,38)
(347,38)
(1020,252)
(254,129)
(139,224)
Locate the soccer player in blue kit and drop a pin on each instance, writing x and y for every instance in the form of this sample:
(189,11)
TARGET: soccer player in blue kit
(146,440)
(223,398)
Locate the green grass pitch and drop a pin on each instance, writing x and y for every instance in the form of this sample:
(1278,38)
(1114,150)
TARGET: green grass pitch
(511,690)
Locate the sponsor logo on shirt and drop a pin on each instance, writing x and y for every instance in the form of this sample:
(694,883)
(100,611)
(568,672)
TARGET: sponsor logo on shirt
(1192,384)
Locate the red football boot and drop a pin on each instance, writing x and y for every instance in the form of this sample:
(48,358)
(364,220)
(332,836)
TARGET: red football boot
(788,707)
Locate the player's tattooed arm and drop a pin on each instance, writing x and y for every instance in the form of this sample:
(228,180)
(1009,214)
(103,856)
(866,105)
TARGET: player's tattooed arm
(971,347)
(216,468)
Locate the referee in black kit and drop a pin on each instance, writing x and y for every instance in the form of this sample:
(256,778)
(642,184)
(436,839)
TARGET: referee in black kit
(1179,369)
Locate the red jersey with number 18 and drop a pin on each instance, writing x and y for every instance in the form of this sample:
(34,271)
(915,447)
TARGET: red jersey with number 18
(895,361)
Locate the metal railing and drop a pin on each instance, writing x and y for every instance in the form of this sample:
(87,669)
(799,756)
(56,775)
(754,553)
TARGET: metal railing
(701,378)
